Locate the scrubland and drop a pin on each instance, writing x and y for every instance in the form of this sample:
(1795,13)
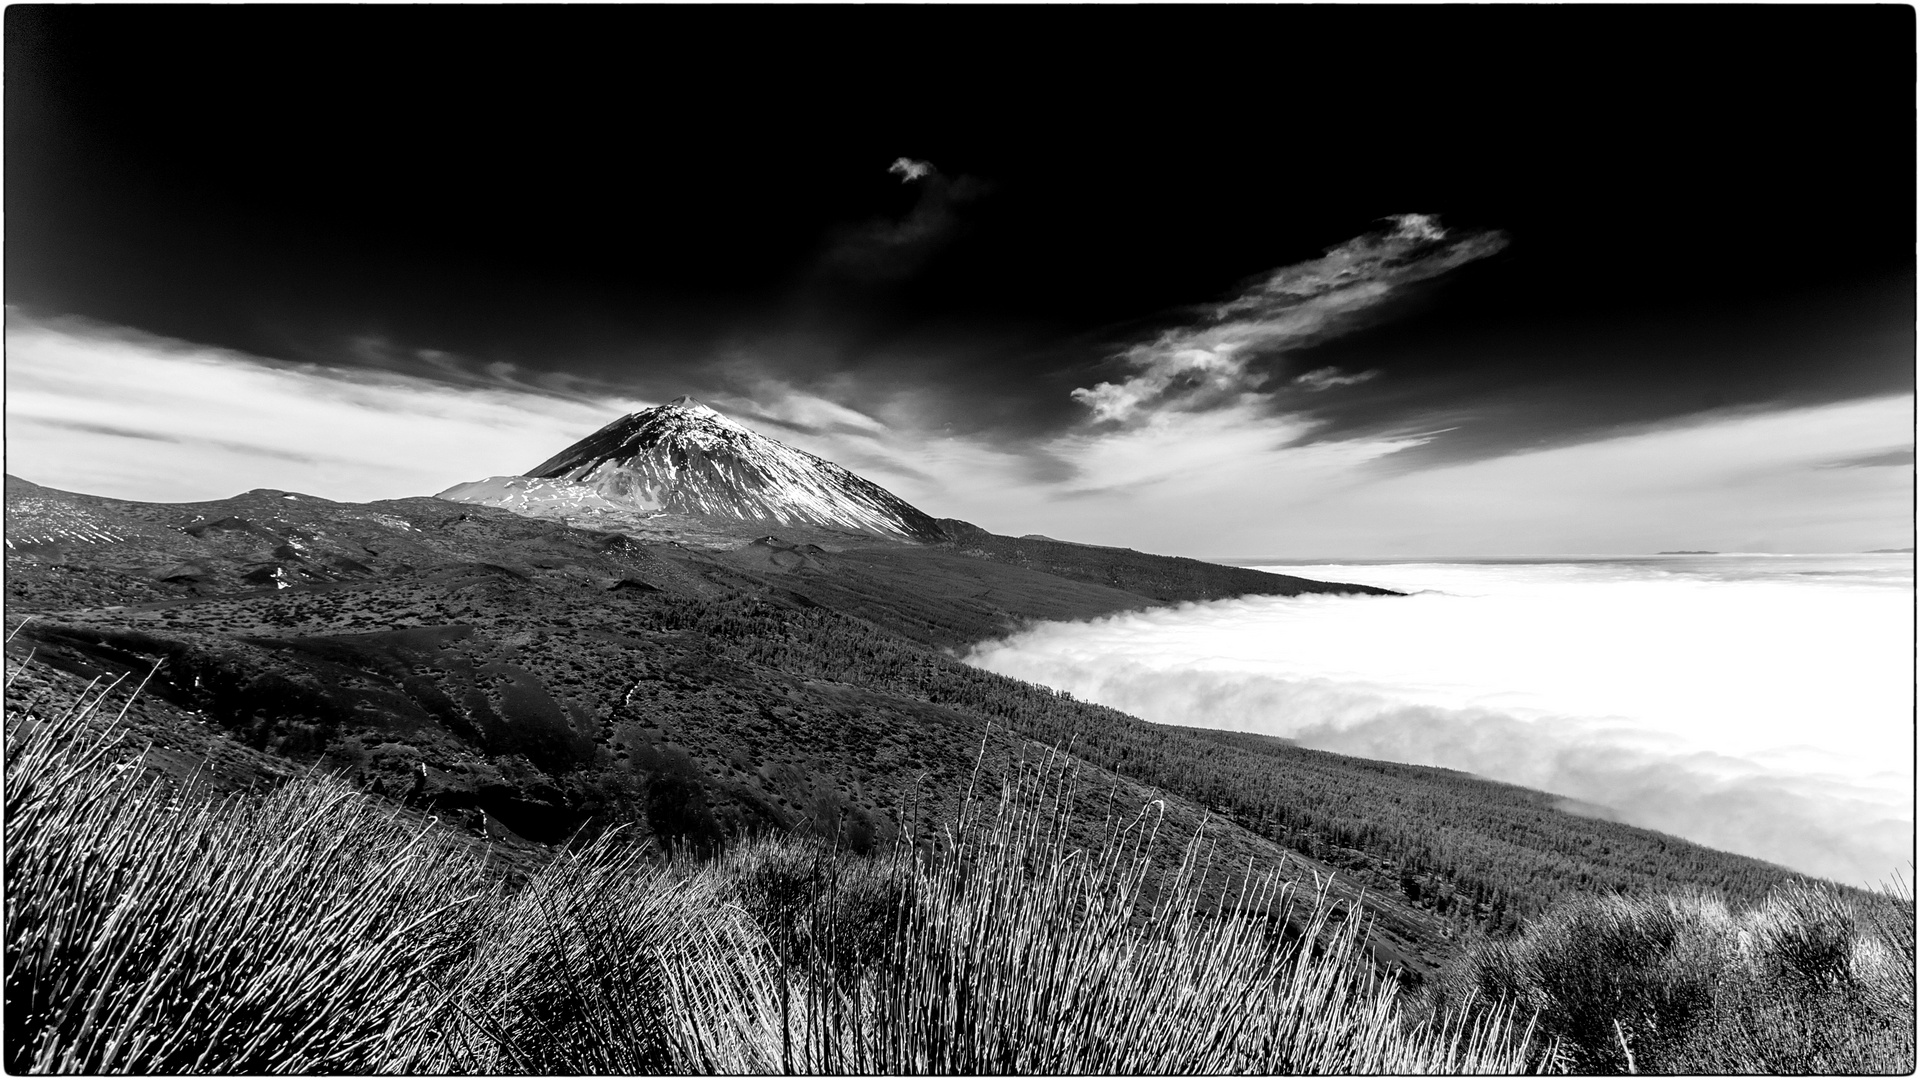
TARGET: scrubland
(1811,980)
(152,927)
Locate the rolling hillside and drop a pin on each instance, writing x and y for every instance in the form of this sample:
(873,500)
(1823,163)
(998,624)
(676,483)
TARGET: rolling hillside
(531,681)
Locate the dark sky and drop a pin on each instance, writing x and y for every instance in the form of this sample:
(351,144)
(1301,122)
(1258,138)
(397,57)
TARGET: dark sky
(1689,208)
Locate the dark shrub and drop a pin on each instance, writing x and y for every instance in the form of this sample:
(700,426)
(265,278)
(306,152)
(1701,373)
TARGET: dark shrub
(1801,984)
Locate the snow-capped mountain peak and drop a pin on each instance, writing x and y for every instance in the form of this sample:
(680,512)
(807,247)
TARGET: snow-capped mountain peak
(687,458)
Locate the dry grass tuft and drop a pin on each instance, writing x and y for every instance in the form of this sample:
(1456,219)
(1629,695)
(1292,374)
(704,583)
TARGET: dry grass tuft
(148,930)
(1008,951)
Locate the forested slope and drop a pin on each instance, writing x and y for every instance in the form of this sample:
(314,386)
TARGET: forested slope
(1454,843)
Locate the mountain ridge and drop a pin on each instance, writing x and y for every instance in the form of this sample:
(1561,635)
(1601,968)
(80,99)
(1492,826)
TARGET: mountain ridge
(683,472)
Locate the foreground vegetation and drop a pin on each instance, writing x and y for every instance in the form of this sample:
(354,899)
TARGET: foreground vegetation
(1810,981)
(315,929)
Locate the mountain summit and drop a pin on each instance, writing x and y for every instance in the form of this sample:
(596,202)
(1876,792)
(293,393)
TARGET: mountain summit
(684,457)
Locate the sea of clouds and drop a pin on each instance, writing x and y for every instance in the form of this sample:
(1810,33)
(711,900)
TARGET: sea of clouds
(1757,704)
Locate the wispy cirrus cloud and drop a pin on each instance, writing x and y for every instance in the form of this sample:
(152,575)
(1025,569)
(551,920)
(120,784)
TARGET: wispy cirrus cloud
(252,450)
(1327,378)
(1218,358)
(886,249)
(377,353)
(1898,456)
(118,412)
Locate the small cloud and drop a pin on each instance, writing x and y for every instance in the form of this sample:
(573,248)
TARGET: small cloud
(1417,227)
(884,250)
(910,170)
(1327,378)
(1214,361)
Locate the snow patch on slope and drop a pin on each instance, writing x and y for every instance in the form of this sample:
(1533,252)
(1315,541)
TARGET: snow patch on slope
(528,494)
(686,458)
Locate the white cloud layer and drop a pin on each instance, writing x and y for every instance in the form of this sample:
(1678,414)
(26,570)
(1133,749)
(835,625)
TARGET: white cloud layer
(1766,712)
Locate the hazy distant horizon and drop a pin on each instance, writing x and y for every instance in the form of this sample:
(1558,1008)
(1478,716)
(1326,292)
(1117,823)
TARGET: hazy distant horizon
(1528,557)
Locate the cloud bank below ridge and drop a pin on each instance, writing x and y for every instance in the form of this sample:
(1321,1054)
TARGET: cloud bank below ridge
(1784,736)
